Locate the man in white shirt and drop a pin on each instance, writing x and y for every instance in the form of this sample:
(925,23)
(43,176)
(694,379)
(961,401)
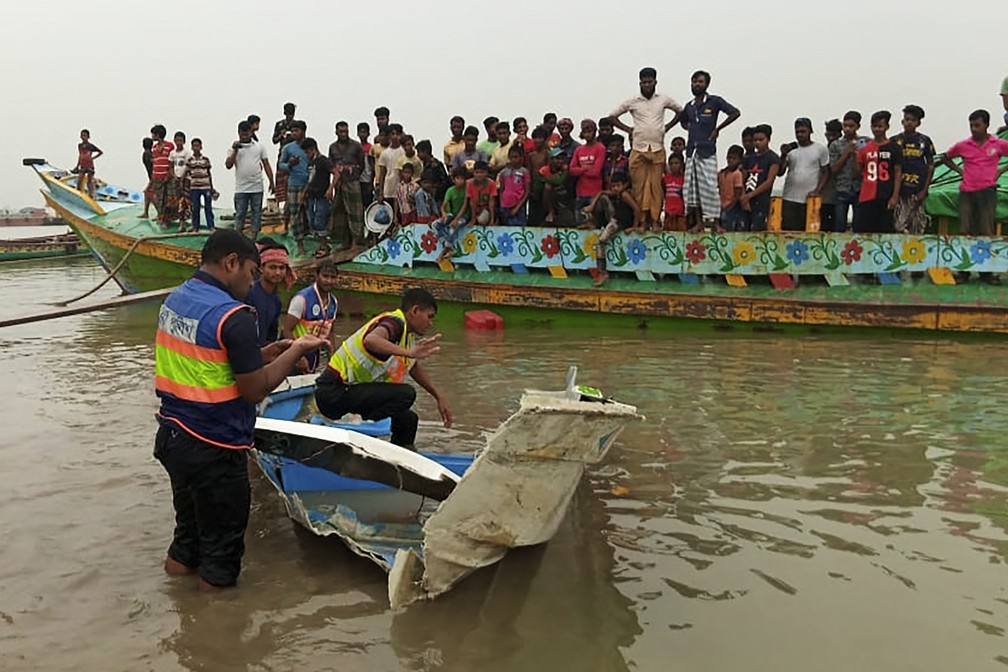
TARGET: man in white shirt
(805,165)
(387,174)
(249,159)
(647,149)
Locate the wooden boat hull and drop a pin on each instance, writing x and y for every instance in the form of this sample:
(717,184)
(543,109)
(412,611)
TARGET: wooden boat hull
(493,273)
(48,247)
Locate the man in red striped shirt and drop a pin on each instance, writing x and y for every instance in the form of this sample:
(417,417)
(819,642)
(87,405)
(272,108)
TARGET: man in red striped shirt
(163,185)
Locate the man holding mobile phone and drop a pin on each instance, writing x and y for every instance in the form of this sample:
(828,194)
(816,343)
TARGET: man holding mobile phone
(249,159)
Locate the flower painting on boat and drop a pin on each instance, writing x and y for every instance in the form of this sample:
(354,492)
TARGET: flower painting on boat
(699,253)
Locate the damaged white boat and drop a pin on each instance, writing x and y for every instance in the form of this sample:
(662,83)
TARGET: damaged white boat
(432,519)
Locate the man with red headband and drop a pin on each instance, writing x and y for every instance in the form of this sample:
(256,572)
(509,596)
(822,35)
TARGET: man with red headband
(265,293)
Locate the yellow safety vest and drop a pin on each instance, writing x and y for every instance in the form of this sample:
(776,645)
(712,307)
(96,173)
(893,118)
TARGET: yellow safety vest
(355,364)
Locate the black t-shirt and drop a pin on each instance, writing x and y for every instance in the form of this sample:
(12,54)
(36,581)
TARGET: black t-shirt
(240,334)
(918,153)
(757,170)
(319,174)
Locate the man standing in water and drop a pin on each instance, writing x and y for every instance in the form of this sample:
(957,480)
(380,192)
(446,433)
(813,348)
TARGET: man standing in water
(366,374)
(647,150)
(700,119)
(210,374)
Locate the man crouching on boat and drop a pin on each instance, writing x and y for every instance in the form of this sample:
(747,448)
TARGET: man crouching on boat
(366,374)
(210,374)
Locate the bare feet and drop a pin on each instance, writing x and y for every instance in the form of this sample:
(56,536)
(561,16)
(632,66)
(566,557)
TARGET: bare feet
(601,278)
(173,567)
(550,217)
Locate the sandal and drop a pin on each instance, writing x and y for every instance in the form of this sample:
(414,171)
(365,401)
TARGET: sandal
(321,252)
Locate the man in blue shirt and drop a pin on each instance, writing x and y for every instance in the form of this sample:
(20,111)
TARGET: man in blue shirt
(264,296)
(700,119)
(210,374)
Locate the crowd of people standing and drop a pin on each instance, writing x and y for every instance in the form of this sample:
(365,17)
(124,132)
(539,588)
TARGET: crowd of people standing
(521,175)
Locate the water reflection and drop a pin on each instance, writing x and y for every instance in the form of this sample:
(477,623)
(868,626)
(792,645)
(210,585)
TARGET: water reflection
(549,607)
(791,502)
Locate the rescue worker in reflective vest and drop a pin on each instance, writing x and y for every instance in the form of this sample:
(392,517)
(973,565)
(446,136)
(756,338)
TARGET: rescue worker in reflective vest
(210,374)
(311,310)
(366,374)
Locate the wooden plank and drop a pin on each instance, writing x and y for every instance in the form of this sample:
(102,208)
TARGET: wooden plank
(781,281)
(836,279)
(735,280)
(558,272)
(813,214)
(645,276)
(888,278)
(689,278)
(956,318)
(941,276)
(89,308)
(519,268)
(776,214)
(446,265)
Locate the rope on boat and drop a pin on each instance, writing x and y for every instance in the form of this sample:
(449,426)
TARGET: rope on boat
(132,248)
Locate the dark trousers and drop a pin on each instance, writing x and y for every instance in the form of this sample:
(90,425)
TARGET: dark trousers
(211,495)
(793,216)
(372,401)
(873,217)
(826,216)
(976,212)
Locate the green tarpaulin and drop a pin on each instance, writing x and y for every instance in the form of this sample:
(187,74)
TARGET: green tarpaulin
(943,198)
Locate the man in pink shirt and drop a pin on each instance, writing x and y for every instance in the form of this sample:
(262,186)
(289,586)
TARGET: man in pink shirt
(980,155)
(586,165)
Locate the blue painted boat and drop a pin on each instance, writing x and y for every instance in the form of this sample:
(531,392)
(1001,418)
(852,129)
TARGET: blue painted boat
(431,519)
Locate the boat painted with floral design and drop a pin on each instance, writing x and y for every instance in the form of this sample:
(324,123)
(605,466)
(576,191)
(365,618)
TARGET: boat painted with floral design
(543,274)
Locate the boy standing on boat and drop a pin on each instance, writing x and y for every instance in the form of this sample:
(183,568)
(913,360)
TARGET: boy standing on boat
(210,374)
(179,158)
(367,373)
(86,154)
(201,189)
(312,310)
(249,160)
(316,202)
(760,170)
(881,167)
(844,169)
(162,178)
(918,168)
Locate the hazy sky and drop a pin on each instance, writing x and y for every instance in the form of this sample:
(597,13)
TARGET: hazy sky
(117,67)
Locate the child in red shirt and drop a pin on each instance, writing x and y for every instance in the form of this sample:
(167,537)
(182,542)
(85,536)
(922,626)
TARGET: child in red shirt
(86,154)
(481,196)
(675,207)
